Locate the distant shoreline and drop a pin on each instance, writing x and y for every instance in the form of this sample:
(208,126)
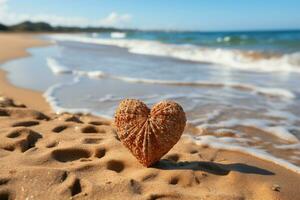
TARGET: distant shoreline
(43,27)
(40,27)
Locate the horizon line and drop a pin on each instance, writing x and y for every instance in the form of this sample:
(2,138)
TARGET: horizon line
(159,30)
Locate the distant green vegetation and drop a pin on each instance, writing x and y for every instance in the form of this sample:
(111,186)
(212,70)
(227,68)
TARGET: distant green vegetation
(3,27)
(28,26)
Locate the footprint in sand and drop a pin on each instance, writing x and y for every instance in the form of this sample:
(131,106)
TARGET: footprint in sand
(27,114)
(73,119)
(174,181)
(91,129)
(115,165)
(76,187)
(193,151)
(100,153)
(25,123)
(22,138)
(73,154)
(172,157)
(52,144)
(3,113)
(59,128)
(9,148)
(70,154)
(91,140)
(99,123)
(71,184)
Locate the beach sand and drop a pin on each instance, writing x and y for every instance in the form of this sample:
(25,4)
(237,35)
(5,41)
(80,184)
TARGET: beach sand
(14,46)
(49,156)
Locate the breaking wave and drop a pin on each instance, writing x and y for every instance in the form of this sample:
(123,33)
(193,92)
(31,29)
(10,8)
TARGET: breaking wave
(57,68)
(231,58)
(118,35)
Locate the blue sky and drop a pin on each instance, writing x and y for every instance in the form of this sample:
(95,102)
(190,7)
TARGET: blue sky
(205,15)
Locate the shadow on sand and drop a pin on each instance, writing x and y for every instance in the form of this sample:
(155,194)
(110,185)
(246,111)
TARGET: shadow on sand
(211,167)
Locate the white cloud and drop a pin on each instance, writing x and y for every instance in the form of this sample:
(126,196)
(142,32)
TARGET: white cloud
(113,19)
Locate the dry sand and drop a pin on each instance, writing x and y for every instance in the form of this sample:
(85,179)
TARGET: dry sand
(49,156)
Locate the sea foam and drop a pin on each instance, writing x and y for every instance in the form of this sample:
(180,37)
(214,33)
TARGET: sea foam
(118,35)
(50,96)
(230,58)
(58,68)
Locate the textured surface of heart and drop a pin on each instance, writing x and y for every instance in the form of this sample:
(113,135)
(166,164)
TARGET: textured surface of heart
(149,134)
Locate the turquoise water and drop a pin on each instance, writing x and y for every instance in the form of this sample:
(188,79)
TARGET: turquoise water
(264,41)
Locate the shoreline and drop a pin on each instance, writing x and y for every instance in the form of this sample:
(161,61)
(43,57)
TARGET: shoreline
(13,46)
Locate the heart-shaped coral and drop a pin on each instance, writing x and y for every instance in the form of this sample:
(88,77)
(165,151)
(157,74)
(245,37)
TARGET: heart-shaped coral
(149,134)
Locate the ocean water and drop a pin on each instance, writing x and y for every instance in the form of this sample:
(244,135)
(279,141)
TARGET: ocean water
(240,90)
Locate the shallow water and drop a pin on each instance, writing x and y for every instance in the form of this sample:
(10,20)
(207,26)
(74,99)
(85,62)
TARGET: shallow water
(247,107)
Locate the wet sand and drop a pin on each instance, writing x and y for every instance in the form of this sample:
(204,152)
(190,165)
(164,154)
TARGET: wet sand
(14,46)
(48,156)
